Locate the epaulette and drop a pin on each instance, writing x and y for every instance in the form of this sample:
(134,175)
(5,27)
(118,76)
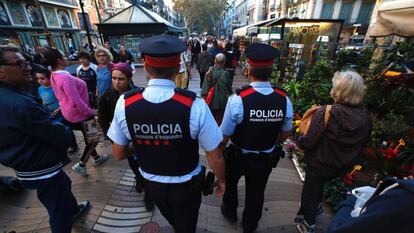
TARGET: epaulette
(186,93)
(279,90)
(133,92)
(243,88)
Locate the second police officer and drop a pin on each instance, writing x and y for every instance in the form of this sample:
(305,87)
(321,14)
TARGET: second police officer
(166,126)
(256,119)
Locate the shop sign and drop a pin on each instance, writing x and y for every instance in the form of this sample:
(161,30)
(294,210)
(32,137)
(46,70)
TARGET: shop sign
(305,29)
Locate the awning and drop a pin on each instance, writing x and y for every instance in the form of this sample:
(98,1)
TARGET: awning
(394,18)
(242,31)
(136,20)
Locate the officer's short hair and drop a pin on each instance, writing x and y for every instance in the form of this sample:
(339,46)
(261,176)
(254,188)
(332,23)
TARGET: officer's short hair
(261,73)
(162,72)
(4,49)
(348,88)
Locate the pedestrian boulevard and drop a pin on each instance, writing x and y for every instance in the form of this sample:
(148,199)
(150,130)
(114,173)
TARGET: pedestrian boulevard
(116,207)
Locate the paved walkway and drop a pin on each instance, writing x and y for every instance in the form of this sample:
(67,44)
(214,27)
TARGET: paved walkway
(116,207)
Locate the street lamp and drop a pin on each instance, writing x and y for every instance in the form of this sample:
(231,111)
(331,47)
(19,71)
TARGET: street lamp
(85,22)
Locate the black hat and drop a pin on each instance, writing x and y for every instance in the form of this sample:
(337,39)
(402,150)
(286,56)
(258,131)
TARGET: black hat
(260,55)
(162,51)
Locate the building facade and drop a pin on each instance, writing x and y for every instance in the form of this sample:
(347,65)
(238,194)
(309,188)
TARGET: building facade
(32,23)
(355,13)
(244,12)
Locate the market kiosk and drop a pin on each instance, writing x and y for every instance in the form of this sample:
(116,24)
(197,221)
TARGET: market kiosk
(301,41)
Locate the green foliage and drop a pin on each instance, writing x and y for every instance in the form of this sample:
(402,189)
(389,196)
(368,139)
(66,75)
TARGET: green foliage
(201,13)
(335,191)
(391,55)
(313,89)
(390,128)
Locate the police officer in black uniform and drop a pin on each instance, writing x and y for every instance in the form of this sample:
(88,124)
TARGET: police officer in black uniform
(256,120)
(166,126)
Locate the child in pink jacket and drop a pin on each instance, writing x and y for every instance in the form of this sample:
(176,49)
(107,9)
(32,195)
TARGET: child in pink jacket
(73,98)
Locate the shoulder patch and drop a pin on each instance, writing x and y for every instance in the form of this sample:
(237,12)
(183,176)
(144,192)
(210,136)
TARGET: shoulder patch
(186,93)
(279,91)
(133,92)
(243,88)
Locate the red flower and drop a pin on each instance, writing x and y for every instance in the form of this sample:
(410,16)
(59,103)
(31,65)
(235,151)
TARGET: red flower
(348,179)
(390,153)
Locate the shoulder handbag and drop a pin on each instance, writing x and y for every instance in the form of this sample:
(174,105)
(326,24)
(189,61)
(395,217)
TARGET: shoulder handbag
(307,118)
(92,131)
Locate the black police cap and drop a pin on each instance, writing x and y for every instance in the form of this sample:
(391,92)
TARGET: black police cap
(162,46)
(261,52)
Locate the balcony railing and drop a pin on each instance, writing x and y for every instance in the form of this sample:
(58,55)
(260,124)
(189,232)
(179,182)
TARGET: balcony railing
(65,2)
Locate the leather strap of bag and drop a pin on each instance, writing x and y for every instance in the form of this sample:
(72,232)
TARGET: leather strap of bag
(327,114)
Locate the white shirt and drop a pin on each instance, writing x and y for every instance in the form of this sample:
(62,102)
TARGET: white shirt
(184,59)
(91,65)
(203,127)
(233,115)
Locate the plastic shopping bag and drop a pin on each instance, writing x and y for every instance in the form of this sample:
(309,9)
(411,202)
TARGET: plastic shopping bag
(363,194)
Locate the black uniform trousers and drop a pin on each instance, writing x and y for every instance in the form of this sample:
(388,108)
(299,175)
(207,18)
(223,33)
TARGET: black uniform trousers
(56,196)
(312,192)
(178,203)
(256,170)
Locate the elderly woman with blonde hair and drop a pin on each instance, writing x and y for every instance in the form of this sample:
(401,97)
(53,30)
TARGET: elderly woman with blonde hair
(103,77)
(332,148)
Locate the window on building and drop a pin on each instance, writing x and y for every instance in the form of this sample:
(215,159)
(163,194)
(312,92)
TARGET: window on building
(346,12)
(272,16)
(364,16)
(327,10)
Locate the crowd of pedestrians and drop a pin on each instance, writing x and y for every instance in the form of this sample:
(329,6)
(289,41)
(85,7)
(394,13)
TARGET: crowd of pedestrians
(165,124)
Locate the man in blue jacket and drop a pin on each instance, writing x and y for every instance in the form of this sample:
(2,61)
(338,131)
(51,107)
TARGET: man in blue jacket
(33,144)
(390,209)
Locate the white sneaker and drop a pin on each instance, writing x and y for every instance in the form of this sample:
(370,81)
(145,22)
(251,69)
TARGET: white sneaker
(101,159)
(80,170)
(304,227)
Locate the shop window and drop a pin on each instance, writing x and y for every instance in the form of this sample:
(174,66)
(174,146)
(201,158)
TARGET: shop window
(64,19)
(4,18)
(364,16)
(51,18)
(34,15)
(346,11)
(82,22)
(17,13)
(327,10)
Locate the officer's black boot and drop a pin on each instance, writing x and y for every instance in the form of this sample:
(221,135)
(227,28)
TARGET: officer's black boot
(230,215)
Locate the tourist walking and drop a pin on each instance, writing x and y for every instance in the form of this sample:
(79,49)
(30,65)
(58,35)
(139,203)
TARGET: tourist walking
(219,79)
(203,64)
(88,71)
(103,78)
(72,94)
(34,145)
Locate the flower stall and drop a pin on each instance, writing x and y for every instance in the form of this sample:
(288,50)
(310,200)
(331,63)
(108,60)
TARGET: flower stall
(390,100)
